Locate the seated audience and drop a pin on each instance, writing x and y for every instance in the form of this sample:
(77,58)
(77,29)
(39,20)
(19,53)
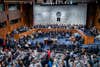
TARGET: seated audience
(29,51)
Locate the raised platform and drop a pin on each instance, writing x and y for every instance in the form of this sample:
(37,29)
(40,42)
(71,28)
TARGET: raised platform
(87,39)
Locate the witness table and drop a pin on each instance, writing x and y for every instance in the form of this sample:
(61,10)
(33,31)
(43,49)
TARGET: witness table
(50,40)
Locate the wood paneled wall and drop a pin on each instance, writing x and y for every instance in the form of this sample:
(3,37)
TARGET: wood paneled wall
(93,16)
(20,14)
(97,18)
(28,14)
(91,12)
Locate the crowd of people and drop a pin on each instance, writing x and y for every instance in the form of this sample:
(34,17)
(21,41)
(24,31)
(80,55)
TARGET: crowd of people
(24,52)
(91,30)
(69,26)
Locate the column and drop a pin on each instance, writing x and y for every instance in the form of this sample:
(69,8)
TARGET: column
(21,13)
(6,11)
(8,29)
